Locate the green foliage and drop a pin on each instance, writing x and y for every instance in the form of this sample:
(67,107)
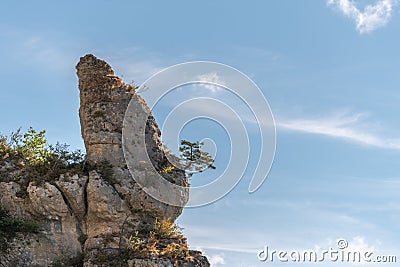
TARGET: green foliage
(37,160)
(58,160)
(82,238)
(167,169)
(31,145)
(10,227)
(106,170)
(135,242)
(193,158)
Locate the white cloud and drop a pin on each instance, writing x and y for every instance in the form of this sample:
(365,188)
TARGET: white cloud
(371,18)
(356,244)
(359,244)
(138,65)
(211,81)
(216,260)
(341,126)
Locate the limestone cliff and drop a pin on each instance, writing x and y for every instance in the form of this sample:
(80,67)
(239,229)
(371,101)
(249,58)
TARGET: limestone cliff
(94,218)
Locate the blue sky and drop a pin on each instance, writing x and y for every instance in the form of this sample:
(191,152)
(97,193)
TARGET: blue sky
(329,70)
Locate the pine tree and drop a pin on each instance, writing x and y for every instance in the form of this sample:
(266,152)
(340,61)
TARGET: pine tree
(193,158)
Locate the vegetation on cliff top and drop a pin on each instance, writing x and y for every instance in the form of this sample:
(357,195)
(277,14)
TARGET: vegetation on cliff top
(27,157)
(33,149)
(42,162)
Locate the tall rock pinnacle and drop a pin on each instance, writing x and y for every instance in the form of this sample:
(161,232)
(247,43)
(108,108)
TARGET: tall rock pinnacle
(104,99)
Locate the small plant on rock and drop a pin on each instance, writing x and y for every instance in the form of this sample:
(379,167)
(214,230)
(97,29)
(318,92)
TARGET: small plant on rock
(11,226)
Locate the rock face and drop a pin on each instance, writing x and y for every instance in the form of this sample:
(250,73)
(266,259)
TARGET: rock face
(104,99)
(88,219)
(60,229)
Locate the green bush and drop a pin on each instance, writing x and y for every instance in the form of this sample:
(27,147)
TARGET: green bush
(36,159)
(105,169)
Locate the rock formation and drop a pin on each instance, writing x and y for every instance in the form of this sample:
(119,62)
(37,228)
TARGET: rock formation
(89,219)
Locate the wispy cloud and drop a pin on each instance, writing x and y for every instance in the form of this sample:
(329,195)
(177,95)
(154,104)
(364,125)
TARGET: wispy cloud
(42,51)
(227,248)
(348,127)
(216,260)
(371,18)
(359,244)
(355,244)
(211,81)
(135,64)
